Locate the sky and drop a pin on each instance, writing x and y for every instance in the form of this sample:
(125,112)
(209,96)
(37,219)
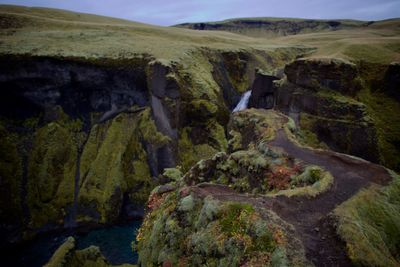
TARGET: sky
(166,12)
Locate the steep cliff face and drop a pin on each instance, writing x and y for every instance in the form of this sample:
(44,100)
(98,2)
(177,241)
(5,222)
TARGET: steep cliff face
(331,101)
(72,156)
(87,139)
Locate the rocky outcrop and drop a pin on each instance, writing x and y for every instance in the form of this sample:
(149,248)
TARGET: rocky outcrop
(80,87)
(392,80)
(331,73)
(314,95)
(165,105)
(217,197)
(114,165)
(68,255)
(262,91)
(66,121)
(192,230)
(213,208)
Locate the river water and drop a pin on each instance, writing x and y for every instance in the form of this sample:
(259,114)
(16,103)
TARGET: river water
(113,241)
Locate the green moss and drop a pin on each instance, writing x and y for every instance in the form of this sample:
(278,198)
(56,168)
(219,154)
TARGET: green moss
(114,161)
(279,258)
(11,176)
(252,160)
(174,174)
(88,257)
(369,223)
(148,130)
(382,109)
(51,173)
(208,212)
(235,142)
(204,106)
(236,66)
(189,153)
(51,153)
(312,182)
(217,135)
(310,176)
(194,231)
(63,254)
(306,134)
(234,218)
(67,256)
(186,203)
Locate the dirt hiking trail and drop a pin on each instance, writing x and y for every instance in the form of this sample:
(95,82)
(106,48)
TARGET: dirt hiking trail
(310,216)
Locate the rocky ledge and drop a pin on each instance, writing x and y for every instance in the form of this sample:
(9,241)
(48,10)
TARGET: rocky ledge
(269,201)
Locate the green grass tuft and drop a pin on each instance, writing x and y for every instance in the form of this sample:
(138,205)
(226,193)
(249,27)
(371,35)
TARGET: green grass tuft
(369,223)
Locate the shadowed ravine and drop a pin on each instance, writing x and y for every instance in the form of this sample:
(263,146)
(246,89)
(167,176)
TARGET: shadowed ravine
(114,243)
(310,216)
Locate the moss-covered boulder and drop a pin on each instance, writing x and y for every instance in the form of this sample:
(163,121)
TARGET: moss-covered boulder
(185,229)
(68,256)
(252,126)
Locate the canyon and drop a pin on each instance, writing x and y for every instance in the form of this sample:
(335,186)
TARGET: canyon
(105,120)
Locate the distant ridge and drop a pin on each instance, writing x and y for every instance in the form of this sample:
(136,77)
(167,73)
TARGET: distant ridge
(271,27)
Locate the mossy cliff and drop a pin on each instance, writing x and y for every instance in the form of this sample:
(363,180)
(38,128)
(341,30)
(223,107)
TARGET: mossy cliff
(88,137)
(11,179)
(114,164)
(72,176)
(51,172)
(343,106)
(146,99)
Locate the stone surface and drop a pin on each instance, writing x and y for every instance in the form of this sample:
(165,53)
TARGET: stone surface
(341,123)
(39,83)
(262,91)
(331,73)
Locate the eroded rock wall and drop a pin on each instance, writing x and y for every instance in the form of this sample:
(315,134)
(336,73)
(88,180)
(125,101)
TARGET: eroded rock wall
(321,96)
(84,141)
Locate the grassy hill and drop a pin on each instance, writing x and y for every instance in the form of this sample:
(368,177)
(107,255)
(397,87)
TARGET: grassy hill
(378,43)
(40,31)
(43,31)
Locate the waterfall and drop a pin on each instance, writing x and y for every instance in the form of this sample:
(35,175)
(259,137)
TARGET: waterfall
(243,102)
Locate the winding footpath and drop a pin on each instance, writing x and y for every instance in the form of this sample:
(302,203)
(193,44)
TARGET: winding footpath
(310,216)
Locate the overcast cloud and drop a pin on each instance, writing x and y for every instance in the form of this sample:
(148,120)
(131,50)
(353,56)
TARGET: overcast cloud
(164,12)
